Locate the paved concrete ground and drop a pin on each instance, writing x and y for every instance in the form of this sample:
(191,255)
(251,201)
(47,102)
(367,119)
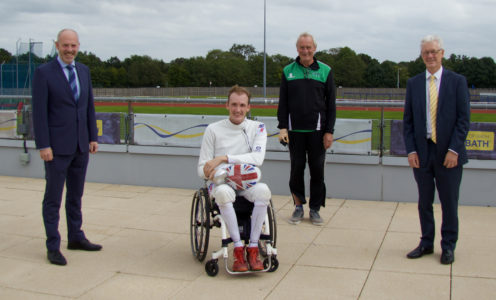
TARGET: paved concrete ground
(358,254)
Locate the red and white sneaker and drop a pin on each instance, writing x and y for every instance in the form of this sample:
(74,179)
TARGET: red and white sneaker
(239,264)
(253,260)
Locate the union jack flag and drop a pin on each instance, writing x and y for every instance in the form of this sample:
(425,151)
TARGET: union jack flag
(242,176)
(261,127)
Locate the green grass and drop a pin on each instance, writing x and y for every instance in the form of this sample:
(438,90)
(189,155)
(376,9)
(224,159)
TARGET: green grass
(182,110)
(368,114)
(478,117)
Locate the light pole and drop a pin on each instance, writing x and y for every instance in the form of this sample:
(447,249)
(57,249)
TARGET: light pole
(265,56)
(29,65)
(17,66)
(398,78)
(1,78)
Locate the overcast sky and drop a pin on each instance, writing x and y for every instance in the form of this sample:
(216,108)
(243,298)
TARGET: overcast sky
(169,29)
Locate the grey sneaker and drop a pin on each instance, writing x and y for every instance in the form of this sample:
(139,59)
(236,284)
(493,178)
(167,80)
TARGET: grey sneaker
(297,216)
(315,218)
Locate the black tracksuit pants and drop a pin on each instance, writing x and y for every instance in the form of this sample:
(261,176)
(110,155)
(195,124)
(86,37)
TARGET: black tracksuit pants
(301,146)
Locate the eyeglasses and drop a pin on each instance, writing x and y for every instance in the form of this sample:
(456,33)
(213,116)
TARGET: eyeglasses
(431,52)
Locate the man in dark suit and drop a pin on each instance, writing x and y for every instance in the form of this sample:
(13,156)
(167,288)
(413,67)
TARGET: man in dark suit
(65,131)
(436,123)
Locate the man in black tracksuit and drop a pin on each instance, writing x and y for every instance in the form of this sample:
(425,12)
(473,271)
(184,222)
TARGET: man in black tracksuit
(306,115)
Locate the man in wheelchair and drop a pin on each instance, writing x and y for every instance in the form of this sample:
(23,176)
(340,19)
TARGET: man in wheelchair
(233,141)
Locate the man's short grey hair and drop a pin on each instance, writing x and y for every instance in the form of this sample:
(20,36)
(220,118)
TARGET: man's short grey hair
(64,30)
(306,34)
(432,38)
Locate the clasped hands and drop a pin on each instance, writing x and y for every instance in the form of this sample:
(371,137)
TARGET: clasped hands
(209,167)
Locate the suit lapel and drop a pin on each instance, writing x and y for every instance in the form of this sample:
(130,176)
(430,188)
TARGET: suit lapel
(82,82)
(60,77)
(59,73)
(423,97)
(445,81)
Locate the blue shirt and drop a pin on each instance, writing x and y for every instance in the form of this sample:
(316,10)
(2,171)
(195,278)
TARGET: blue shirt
(63,65)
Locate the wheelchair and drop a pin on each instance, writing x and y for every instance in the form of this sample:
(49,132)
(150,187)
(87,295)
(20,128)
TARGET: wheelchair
(205,215)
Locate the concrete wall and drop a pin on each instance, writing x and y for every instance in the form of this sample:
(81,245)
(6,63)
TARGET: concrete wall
(347,176)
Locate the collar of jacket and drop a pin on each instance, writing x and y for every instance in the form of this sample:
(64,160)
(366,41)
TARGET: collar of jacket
(314,66)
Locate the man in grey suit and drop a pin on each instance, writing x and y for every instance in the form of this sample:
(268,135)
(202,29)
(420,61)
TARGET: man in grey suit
(436,123)
(65,132)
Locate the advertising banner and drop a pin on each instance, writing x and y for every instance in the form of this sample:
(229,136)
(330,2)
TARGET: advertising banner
(479,142)
(109,128)
(397,146)
(8,124)
(171,130)
(351,136)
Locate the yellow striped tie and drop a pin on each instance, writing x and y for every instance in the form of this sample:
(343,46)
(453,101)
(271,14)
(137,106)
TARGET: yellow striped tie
(433,107)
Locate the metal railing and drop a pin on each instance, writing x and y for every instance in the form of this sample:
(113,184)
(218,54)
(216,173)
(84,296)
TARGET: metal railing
(380,124)
(258,101)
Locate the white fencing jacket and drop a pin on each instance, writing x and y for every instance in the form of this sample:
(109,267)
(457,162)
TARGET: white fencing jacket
(243,143)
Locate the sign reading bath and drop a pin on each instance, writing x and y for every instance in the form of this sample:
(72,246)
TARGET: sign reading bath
(479,142)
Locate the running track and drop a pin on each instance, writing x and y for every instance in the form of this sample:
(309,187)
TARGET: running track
(491,111)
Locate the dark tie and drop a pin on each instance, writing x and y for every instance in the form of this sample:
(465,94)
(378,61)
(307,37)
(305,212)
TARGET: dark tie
(72,82)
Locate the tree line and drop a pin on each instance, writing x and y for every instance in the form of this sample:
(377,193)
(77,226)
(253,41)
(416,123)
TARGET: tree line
(243,65)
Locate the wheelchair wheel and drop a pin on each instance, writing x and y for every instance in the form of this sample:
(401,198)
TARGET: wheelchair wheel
(262,248)
(212,267)
(273,266)
(200,224)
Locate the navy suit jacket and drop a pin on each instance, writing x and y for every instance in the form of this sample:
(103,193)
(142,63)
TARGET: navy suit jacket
(59,121)
(453,118)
